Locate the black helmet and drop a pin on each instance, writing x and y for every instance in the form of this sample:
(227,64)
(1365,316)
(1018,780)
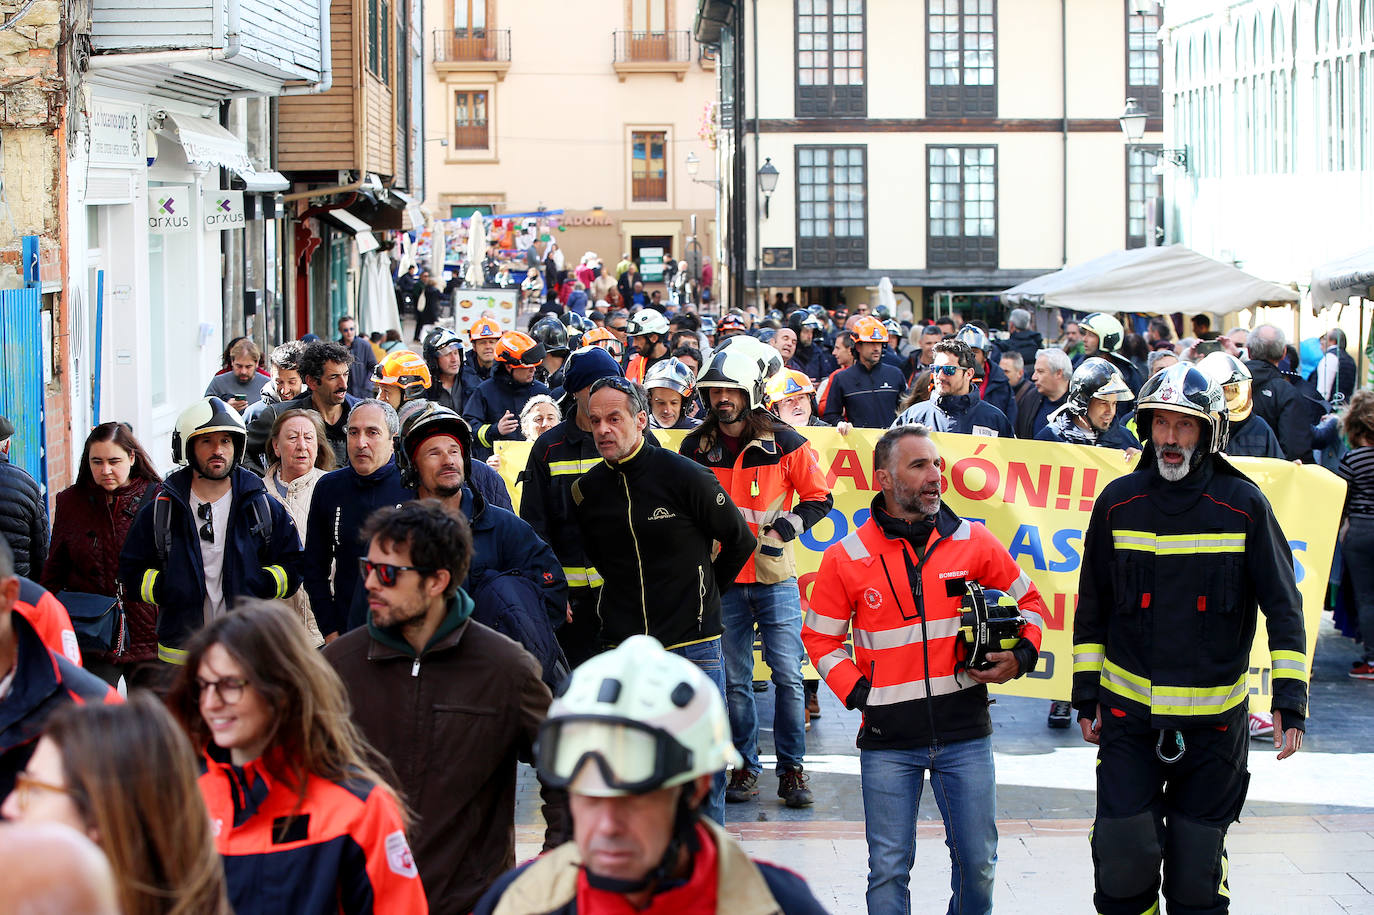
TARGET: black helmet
(1182,388)
(1095,377)
(552,334)
(421,419)
(882,313)
(973,335)
(438,340)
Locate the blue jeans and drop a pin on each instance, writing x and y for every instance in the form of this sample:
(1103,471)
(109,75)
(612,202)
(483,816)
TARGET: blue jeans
(777,610)
(965,788)
(706,655)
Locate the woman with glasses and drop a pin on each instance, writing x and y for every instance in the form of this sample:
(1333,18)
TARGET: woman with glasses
(306,823)
(298,462)
(90,524)
(125,776)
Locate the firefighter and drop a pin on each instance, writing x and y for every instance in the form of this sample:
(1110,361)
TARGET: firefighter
(1177,557)
(400,377)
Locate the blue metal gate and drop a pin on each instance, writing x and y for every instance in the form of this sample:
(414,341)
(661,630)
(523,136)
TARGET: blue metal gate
(21,382)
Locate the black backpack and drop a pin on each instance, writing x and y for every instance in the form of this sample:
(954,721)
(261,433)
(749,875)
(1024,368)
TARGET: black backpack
(258,509)
(513,605)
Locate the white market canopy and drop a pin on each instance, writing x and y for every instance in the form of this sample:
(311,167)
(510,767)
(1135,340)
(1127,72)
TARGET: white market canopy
(1335,282)
(1156,280)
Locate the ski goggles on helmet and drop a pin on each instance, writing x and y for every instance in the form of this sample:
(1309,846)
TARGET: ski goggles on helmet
(630,756)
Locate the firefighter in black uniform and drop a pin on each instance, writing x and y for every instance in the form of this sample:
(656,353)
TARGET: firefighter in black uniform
(1161,639)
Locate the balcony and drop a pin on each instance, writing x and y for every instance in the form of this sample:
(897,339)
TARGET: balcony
(652,52)
(472,51)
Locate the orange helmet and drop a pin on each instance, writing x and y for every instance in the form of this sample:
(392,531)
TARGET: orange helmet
(597,335)
(405,370)
(788,383)
(869,330)
(518,348)
(484,329)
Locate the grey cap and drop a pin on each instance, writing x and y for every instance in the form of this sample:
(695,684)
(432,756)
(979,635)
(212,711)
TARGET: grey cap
(6,428)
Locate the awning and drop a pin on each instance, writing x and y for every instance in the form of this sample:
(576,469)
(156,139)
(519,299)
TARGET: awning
(1152,281)
(1335,282)
(361,231)
(267,182)
(414,216)
(206,143)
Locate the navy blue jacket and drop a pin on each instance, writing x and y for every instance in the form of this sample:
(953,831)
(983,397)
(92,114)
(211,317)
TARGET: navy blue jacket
(470,378)
(814,361)
(863,398)
(491,485)
(503,542)
(1252,437)
(343,500)
(490,402)
(44,681)
(997,391)
(253,567)
(957,413)
(1116,436)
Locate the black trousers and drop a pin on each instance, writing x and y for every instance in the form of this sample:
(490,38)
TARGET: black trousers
(1175,814)
(580,637)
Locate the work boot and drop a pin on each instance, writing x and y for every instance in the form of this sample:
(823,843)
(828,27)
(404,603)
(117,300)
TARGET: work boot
(793,788)
(743,787)
(813,706)
(1061,715)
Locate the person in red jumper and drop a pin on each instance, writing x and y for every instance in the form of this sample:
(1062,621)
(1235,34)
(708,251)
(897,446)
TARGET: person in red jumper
(640,841)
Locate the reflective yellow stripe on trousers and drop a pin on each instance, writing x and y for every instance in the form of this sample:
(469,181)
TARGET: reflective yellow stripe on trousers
(1173,700)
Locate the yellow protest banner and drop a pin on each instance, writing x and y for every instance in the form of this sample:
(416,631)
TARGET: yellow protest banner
(1037,498)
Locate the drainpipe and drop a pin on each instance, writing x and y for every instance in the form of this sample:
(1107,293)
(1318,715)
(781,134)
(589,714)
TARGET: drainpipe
(326,81)
(758,223)
(232,46)
(1064,131)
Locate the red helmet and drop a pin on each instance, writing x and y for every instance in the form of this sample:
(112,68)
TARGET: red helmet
(518,348)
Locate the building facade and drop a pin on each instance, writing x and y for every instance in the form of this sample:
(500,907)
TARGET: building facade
(592,111)
(1271,103)
(956,146)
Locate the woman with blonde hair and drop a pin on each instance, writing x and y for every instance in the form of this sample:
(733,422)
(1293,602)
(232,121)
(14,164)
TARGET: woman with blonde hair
(307,824)
(125,776)
(296,449)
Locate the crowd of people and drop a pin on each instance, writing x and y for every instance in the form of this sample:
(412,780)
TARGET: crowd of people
(340,636)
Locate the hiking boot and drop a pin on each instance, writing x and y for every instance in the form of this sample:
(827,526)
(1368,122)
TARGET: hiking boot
(813,706)
(793,788)
(1061,715)
(1362,670)
(743,786)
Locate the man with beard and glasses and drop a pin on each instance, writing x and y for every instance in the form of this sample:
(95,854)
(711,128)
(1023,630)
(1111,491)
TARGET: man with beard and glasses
(211,535)
(1177,558)
(899,582)
(956,406)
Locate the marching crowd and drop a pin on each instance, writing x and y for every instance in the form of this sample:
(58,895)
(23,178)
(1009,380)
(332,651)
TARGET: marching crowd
(339,636)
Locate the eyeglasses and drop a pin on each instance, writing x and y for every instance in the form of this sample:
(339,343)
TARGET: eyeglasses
(947,370)
(386,572)
(229,689)
(207,529)
(25,784)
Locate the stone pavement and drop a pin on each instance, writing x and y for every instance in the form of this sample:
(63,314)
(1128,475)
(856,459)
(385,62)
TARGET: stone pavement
(1305,842)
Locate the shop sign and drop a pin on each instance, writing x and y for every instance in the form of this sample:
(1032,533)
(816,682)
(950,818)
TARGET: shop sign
(117,134)
(169,210)
(221,209)
(591,219)
(651,265)
(777,258)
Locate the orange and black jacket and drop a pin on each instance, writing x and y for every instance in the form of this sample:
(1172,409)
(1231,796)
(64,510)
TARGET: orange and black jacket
(763,479)
(908,672)
(44,681)
(342,849)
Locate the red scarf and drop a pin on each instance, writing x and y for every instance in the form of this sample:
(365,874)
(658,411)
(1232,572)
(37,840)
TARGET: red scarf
(695,897)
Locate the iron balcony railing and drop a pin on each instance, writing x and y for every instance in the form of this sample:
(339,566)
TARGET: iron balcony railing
(652,47)
(471,45)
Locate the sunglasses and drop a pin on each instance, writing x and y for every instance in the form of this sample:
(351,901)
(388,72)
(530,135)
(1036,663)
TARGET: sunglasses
(207,528)
(948,371)
(386,572)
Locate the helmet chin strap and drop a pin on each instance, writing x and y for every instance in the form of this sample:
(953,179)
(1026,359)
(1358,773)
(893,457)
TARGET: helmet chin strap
(683,837)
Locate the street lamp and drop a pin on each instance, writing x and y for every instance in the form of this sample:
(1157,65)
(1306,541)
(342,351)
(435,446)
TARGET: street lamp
(1133,121)
(694,166)
(768,182)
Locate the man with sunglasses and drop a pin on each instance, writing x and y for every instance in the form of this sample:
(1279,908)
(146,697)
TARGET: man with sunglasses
(650,519)
(35,680)
(448,702)
(956,406)
(640,839)
(211,535)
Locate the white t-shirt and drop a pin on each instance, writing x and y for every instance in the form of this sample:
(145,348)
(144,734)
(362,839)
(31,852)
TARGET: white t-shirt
(212,554)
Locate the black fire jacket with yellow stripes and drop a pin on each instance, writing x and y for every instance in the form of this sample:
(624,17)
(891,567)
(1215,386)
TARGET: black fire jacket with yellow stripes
(1171,579)
(557,459)
(650,523)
